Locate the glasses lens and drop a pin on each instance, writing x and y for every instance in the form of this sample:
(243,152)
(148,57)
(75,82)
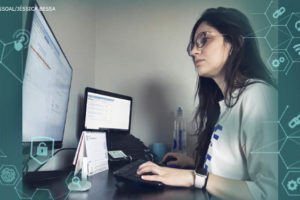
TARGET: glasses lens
(201,40)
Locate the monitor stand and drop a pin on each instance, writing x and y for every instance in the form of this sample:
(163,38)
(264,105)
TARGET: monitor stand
(60,164)
(62,159)
(79,186)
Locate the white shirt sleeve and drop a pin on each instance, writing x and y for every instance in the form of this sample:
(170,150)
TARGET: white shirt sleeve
(259,141)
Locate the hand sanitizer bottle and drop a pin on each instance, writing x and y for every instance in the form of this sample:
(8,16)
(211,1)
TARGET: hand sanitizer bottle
(179,133)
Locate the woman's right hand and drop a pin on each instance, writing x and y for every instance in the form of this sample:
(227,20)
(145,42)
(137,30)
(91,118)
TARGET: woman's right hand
(166,175)
(178,159)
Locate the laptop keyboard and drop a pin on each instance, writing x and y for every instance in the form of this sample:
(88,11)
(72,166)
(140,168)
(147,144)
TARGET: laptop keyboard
(128,172)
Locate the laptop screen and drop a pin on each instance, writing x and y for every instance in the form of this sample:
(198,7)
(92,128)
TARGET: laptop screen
(107,111)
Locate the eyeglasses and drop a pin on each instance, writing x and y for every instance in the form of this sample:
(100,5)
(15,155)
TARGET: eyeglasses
(200,41)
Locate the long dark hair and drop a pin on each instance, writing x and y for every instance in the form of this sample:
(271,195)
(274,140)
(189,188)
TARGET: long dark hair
(243,63)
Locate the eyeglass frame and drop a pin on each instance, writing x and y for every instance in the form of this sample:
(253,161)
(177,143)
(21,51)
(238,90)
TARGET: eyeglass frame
(192,43)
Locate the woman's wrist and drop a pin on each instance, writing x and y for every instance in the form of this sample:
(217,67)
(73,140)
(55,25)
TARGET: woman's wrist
(191,178)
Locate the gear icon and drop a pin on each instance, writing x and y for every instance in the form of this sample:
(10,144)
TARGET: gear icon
(298,180)
(8,175)
(292,185)
(275,63)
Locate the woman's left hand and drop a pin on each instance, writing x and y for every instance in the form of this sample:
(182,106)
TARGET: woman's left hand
(166,175)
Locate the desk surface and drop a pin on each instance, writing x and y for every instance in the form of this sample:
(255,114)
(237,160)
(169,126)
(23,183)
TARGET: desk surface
(104,186)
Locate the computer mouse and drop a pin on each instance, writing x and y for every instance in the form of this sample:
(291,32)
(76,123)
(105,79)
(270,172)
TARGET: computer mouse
(147,174)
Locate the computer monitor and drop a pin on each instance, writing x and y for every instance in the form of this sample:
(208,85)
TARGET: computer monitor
(107,111)
(46,84)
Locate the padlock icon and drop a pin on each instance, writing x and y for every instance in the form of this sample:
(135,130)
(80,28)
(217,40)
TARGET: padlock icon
(42,149)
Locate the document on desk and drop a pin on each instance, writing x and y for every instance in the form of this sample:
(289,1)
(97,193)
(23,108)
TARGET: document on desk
(92,145)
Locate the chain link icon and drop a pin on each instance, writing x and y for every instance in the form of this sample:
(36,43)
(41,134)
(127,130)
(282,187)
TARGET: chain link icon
(278,12)
(297,25)
(294,122)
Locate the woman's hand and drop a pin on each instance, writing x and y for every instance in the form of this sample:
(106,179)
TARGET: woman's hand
(166,175)
(178,159)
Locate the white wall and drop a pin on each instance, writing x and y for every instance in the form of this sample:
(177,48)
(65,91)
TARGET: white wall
(141,52)
(137,48)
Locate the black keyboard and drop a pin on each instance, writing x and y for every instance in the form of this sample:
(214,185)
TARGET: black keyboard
(128,173)
(131,145)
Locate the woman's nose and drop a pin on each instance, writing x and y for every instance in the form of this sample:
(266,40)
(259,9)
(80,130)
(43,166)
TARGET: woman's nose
(195,51)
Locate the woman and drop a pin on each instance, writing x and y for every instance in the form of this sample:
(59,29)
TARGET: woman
(236,97)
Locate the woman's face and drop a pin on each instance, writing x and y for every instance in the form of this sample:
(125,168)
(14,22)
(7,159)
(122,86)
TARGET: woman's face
(211,57)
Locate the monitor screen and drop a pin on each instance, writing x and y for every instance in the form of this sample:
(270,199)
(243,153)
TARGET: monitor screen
(106,110)
(46,84)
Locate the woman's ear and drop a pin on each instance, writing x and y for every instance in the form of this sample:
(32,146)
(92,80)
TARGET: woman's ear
(239,45)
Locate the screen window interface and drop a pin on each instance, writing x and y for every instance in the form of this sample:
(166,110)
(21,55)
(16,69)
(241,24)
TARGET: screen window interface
(46,84)
(106,112)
